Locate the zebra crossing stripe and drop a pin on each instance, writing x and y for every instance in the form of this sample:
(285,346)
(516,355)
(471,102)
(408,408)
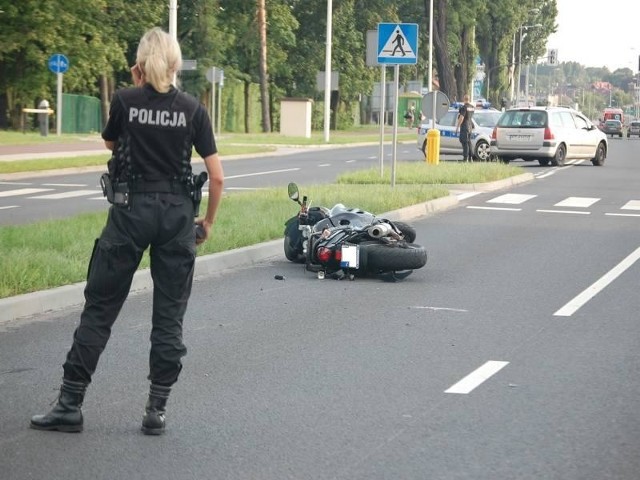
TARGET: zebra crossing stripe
(512,198)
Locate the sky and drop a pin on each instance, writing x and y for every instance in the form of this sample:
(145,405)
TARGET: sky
(597,33)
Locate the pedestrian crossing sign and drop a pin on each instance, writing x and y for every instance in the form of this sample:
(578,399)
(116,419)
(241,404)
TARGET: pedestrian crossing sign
(398,43)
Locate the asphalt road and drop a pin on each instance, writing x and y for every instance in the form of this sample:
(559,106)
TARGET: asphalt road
(26,198)
(512,355)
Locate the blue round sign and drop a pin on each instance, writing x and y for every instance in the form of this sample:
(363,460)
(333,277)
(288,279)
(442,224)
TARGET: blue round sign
(58,63)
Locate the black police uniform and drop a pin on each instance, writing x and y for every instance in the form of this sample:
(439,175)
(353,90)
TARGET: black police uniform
(466,128)
(154,134)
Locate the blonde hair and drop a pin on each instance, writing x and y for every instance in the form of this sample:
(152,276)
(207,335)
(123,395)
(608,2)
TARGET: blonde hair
(159,58)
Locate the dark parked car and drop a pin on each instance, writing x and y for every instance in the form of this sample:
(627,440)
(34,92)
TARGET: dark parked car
(613,128)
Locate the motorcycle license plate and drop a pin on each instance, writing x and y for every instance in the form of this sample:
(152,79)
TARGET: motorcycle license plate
(350,256)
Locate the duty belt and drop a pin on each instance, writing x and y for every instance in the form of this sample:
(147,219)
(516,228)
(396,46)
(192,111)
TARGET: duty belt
(160,186)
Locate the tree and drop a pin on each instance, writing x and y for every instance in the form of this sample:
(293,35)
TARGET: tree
(264,76)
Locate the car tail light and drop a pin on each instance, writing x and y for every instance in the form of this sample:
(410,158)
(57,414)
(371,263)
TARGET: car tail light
(494,134)
(548,134)
(338,254)
(324,254)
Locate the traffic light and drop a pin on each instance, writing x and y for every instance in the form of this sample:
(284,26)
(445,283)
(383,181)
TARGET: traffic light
(553,56)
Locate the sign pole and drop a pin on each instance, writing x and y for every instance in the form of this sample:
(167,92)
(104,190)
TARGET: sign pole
(381,117)
(396,74)
(59,104)
(219,104)
(213,99)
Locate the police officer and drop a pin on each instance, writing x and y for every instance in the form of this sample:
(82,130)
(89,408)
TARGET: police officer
(152,129)
(464,124)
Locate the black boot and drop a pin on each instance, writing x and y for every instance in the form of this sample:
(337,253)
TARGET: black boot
(66,416)
(153,420)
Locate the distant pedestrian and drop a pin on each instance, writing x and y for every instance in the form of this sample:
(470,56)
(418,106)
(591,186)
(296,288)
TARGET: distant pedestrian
(410,116)
(464,125)
(152,130)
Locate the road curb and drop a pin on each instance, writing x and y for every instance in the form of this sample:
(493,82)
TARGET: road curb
(54,299)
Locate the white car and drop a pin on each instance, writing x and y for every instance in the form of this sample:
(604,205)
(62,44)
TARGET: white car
(483,123)
(549,135)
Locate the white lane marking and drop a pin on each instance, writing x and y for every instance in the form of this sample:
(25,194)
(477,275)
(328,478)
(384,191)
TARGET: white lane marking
(72,194)
(465,195)
(623,214)
(512,198)
(370,158)
(574,212)
(15,183)
(440,308)
(98,198)
(24,191)
(324,165)
(577,202)
(495,208)
(64,184)
(262,173)
(631,205)
(9,206)
(547,174)
(353,161)
(477,377)
(582,298)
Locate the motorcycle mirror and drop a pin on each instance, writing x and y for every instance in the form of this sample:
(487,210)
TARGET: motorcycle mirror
(294,194)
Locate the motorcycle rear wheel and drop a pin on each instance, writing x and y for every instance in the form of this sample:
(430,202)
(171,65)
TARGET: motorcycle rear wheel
(387,258)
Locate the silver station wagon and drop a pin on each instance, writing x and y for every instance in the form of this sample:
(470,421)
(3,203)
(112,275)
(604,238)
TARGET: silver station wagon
(549,135)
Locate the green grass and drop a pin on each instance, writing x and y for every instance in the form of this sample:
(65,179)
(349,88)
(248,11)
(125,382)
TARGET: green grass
(48,254)
(11,137)
(444,173)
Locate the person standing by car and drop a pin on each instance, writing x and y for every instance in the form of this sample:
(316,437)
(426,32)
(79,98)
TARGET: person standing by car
(464,125)
(152,130)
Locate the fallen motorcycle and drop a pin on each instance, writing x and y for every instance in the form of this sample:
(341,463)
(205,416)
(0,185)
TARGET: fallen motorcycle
(344,242)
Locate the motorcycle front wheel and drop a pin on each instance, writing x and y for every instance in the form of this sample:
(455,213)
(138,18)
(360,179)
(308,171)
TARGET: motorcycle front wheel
(407,230)
(385,258)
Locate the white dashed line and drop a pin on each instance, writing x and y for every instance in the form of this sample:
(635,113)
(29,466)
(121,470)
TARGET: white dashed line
(582,298)
(477,377)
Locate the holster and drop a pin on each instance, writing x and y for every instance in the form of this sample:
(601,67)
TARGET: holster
(117,194)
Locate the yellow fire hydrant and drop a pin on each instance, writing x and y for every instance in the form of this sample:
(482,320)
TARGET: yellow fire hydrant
(433,146)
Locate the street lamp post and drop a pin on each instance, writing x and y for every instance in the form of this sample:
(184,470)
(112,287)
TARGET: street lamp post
(522,27)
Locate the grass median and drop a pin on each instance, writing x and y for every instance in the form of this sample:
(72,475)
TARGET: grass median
(49,254)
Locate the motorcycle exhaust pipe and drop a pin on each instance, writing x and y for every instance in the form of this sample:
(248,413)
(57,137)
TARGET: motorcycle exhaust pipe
(380,230)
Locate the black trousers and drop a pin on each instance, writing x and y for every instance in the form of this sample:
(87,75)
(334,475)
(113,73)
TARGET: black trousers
(465,140)
(163,222)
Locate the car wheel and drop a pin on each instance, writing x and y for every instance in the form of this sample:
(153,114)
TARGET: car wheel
(424,149)
(620,135)
(543,161)
(601,155)
(558,159)
(483,151)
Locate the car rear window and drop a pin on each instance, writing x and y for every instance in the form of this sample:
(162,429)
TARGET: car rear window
(523,119)
(488,119)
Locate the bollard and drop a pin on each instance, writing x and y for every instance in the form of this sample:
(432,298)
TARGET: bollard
(433,146)
(43,118)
